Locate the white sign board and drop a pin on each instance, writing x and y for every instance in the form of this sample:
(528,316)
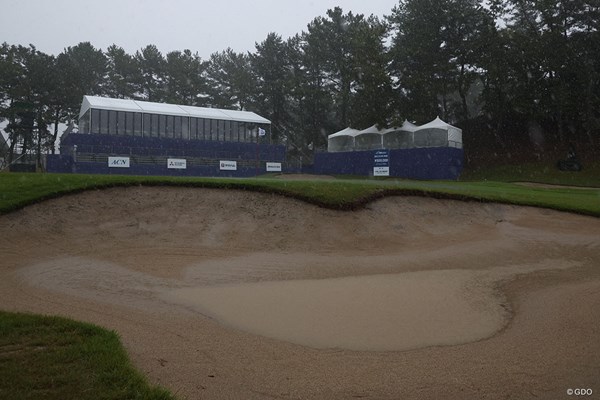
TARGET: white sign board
(176,163)
(228,165)
(118,162)
(381,171)
(273,167)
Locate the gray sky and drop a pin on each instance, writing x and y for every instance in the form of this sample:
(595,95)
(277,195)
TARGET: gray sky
(202,26)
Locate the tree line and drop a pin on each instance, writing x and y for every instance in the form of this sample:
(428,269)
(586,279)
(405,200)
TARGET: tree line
(506,69)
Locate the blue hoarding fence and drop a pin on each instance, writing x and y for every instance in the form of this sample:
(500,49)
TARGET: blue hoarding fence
(416,163)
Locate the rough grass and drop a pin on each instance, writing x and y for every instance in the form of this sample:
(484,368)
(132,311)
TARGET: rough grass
(56,358)
(541,172)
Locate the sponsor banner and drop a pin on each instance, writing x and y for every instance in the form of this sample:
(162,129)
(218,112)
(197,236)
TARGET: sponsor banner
(381,158)
(273,167)
(381,171)
(228,165)
(176,163)
(118,162)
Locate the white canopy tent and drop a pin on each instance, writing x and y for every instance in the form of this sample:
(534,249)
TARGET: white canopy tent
(342,140)
(438,133)
(369,139)
(400,138)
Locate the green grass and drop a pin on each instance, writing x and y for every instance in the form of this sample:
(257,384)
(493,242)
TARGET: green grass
(19,190)
(56,358)
(542,172)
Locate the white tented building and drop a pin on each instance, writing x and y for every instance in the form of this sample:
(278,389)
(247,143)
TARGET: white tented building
(436,133)
(400,138)
(341,141)
(101,115)
(369,139)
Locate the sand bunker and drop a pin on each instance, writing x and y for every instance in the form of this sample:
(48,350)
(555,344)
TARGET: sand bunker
(381,312)
(376,313)
(229,294)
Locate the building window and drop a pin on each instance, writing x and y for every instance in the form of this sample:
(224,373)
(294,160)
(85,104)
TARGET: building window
(129,124)
(199,128)
(235,131)
(185,129)
(221,130)
(104,122)
(95,128)
(147,125)
(162,126)
(214,129)
(84,122)
(227,131)
(112,122)
(120,123)
(137,124)
(207,129)
(242,128)
(193,128)
(177,127)
(169,126)
(155,132)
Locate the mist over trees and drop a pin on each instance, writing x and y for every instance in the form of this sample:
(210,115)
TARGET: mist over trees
(515,71)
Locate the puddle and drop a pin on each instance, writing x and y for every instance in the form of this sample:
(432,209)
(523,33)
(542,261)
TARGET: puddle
(376,312)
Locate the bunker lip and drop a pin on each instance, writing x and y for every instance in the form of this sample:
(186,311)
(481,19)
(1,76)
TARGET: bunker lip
(108,256)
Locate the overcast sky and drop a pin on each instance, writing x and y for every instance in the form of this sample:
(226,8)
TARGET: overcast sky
(201,26)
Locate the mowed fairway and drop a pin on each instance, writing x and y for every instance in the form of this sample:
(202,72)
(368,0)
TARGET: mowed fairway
(223,294)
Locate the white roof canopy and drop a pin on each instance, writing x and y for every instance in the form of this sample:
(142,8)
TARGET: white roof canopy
(436,133)
(436,123)
(372,129)
(344,132)
(408,126)
(104,103)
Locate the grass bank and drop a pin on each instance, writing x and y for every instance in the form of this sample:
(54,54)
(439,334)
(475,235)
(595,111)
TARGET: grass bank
(56,358)
(20,190)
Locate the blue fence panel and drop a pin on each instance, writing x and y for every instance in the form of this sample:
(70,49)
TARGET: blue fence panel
(59,163)
(424,163)
(161,170)
(134,145)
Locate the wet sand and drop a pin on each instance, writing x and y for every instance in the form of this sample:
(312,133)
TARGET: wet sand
(227,294)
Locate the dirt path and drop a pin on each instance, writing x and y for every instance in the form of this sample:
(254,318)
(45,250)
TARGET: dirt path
(116,257)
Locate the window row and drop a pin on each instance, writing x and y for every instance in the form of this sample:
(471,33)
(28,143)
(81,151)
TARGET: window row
(167,126)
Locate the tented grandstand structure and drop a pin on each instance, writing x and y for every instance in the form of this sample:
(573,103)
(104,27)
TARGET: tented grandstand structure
(100,115)
(140,137)
(430,151)
(437,133)
(400,138)
(342,140)
(369,139)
